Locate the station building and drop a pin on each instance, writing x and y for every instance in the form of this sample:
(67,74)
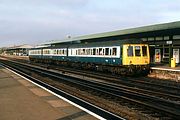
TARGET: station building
(163,40)
(21,50)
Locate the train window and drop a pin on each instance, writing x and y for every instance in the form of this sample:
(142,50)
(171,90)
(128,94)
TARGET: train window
(45,51)
(76,52)
(72,51)
(144,50)
(114,51)
(54,51)
(97,51)
(79,51)
(100,51)
(137,50)
(130,51)
(103,52)
(106,51)
(94,51)
(82,51)
(110,52)
(87,51)
(91,52)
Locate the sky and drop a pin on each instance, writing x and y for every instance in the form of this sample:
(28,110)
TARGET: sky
(38,21)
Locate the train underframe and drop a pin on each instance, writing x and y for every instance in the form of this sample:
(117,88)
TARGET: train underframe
(130,70)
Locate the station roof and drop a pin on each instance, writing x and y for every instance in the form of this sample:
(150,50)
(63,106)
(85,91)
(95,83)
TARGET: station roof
(19,47)
(144,29)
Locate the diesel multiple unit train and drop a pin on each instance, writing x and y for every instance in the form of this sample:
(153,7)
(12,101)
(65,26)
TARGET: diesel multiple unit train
(119,57)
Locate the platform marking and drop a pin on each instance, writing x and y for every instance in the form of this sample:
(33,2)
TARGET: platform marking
(63,98)
(165,69)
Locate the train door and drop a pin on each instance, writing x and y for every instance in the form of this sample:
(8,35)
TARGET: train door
(114,52)
(137,52)
(176,55)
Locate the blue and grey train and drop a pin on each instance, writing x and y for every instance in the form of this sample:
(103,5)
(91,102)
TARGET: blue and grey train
(121,57)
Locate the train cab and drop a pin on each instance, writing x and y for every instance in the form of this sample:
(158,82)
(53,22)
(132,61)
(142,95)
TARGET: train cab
(136,56)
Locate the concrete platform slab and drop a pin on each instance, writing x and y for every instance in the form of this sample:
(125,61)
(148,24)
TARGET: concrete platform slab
(58,103)
(165,72)
(22,100)
(40,92)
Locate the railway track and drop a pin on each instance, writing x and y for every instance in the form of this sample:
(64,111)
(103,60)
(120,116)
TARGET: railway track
(142,82)
(170,91)
(133,98)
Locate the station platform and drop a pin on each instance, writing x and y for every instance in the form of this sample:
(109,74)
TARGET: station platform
(164,71)
(23,100)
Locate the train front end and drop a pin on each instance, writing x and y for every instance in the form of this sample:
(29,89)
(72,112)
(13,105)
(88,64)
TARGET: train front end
(136,58)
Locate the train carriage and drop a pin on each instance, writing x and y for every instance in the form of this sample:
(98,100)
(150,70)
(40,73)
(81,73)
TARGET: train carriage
(113,56)
(35,54)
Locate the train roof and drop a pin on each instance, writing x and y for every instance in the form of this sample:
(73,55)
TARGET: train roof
(144,31)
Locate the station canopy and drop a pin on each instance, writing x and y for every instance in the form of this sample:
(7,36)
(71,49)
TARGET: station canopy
(19,47)
(172,28)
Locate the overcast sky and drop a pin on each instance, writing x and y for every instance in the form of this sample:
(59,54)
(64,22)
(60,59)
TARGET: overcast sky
(38,21)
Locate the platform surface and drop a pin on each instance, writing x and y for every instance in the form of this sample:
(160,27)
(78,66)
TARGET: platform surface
(22,100)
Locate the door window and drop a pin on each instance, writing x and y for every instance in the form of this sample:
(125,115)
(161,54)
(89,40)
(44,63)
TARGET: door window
(130,51)
(137,51)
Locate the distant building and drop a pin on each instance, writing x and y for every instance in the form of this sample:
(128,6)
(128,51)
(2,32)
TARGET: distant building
(21,50)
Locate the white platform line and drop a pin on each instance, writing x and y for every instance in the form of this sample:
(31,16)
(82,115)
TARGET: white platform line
(165,69)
